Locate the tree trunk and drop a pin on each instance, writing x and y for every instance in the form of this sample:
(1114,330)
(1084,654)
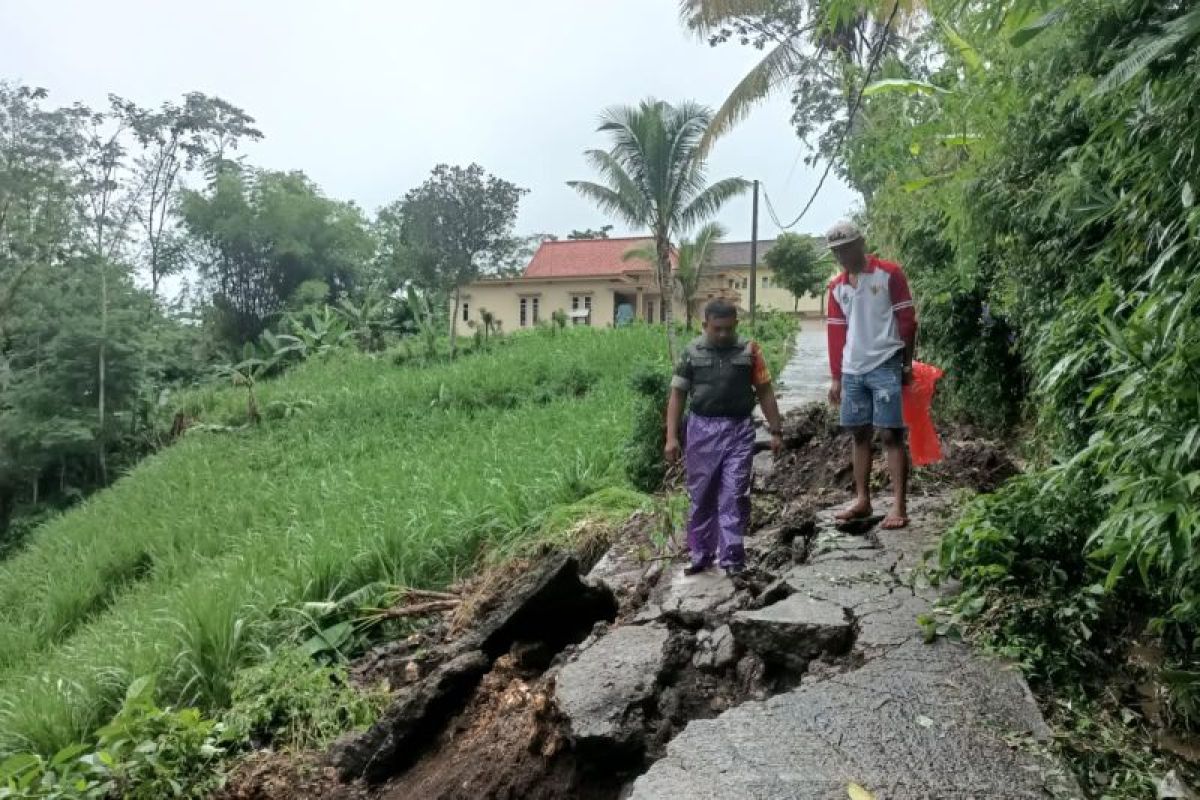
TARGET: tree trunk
(454,324)
(7,496)
(663,247)
(103,461)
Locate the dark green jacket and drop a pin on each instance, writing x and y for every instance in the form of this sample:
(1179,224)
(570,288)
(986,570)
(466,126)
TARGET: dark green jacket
(719,380)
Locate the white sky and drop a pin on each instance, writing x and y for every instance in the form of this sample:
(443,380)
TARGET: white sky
(365,97)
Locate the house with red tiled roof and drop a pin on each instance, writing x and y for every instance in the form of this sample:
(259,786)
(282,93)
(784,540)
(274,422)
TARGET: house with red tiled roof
(592,282)
(588,279)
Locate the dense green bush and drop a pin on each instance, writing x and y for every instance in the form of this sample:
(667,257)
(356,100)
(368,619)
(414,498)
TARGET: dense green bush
(143,753)
(1048,219)
(291,701)
(644,463)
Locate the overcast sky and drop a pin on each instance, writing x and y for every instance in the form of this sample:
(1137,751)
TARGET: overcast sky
(365,97)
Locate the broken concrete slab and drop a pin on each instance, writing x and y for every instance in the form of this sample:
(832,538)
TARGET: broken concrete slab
(793,631)
(841,572)
(601,690)
(830,546)
(552,605)
(691,599)
(620,571)
(919,722)
(412,721)
(889,621)
(715,649)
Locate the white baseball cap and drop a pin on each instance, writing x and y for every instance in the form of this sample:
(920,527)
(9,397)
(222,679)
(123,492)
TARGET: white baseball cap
(843,232)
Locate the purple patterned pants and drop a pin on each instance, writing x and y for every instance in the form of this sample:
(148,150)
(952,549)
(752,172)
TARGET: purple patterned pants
(718,455)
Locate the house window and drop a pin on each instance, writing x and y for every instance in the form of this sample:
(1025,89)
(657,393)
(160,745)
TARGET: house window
(535,310)
(466,312)
(766,282)
(583,302)
(524,312)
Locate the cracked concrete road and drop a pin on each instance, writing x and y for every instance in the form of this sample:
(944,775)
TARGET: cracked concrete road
(911,720)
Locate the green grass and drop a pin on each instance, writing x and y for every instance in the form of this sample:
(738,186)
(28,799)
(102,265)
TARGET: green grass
(188,568)
(403,475)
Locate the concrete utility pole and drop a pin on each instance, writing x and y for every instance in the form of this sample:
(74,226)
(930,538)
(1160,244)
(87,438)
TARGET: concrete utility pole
(753,255)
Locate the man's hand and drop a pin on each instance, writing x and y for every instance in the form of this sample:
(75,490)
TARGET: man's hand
(776,444)
(671,451)
(835,393)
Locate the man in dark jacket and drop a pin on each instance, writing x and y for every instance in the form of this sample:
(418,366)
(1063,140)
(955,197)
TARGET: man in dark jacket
(722,375)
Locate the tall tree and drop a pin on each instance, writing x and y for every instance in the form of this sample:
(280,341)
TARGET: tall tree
(261,235)
(451,227)
(820,52)
(799,266)
(654,177)
(107,196)
(694,260)
(174,140)
(36,192)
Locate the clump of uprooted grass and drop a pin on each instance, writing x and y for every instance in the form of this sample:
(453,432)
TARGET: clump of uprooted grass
(399,475)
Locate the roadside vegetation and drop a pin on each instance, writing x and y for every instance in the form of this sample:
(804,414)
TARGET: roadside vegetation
(1033,166)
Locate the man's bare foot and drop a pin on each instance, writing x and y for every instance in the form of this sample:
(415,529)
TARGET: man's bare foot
(894,521)
(861,509)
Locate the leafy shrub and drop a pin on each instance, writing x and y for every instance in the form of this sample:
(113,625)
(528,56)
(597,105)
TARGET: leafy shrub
(144,753)
(644,464)
(1024,544)
(291,701)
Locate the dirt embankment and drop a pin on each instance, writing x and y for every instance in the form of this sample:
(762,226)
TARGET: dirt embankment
(565,677)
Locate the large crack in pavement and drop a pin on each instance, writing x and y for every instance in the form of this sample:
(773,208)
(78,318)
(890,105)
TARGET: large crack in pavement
(901,717)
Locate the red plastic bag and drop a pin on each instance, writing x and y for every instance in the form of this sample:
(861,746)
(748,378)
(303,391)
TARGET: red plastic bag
(916,400)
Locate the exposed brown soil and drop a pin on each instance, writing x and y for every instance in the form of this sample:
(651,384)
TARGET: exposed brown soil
(816,462)
(507,744)
(268,775)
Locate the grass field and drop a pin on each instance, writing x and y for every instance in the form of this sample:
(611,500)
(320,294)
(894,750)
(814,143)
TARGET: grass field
(186,568)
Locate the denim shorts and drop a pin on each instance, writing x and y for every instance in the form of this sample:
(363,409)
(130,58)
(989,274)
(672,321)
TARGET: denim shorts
(873,398)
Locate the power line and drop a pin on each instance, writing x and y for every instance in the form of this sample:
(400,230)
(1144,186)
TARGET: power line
(875,56)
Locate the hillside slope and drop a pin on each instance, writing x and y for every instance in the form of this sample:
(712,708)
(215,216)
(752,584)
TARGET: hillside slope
(364,472)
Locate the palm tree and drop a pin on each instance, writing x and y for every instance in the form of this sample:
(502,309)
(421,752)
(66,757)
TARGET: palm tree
(694,258)
(654,177)
(803,37)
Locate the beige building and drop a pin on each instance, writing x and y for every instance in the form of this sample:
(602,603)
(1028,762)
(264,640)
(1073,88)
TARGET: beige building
(593,284)
(732,262)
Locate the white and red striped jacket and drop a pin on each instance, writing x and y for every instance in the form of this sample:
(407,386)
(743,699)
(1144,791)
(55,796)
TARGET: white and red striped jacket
(868,323)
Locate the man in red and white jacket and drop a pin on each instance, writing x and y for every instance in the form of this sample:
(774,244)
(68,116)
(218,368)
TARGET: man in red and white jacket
(872,329)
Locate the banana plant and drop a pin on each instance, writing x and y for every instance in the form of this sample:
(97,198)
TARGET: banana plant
(368,321)
(257,362)
(320,331)
(422,323)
